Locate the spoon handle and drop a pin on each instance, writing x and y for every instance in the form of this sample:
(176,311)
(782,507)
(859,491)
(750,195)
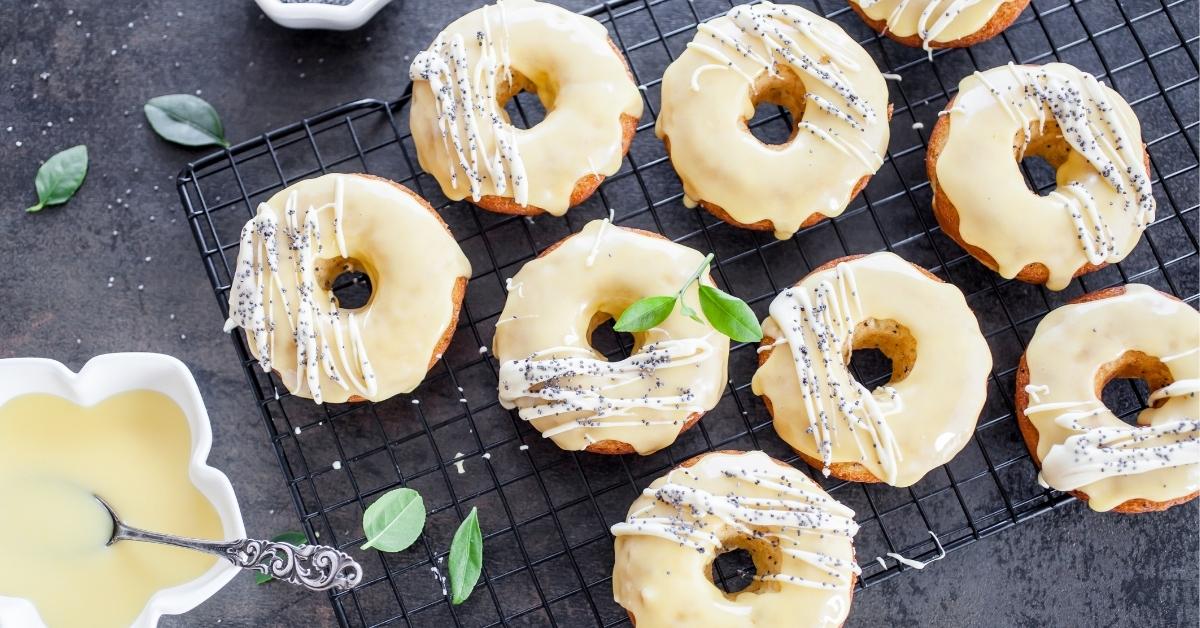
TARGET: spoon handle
(314,567)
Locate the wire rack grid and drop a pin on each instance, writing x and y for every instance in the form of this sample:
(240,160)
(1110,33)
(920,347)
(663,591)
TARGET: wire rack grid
(547,552)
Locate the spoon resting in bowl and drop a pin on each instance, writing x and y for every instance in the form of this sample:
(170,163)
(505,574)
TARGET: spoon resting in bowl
(314,567)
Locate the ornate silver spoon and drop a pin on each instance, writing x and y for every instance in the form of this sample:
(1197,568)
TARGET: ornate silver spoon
(314,567)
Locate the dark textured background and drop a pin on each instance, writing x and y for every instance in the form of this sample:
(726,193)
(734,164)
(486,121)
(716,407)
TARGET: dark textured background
(79,72)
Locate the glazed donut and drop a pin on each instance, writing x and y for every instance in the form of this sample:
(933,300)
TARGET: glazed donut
(307,235)
(1131,331)
(557,381)
(785,55)
(920,418)
(800,538)
(1102,203)
(464,137)
(929,24)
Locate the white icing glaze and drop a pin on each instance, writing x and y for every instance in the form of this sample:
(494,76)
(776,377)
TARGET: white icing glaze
(1082,445)
(841,136)
(564,387)
(1103,201)
(461,82)
(679,525)
(934,22)
(299,242)
(898,431)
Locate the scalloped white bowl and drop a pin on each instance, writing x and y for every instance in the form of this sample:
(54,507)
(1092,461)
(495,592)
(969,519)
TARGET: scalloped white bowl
(103,377)
(314,14)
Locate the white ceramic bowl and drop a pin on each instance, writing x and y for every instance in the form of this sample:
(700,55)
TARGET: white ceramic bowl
(103,377)
(314,14)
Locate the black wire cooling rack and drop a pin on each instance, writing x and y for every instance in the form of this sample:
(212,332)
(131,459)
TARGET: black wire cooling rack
(547,552)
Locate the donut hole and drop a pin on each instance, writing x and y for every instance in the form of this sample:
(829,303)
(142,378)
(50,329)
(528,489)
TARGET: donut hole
(523,105)
(1042,156)
(733,570)
(778,108)
(614,345)
(882,351)
(739,561)
(1126,383)
(348,280)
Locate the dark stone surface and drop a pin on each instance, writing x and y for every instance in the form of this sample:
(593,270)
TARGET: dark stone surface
(104,59)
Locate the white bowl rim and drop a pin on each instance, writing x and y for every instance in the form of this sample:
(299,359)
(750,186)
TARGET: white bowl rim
(102,377)
(316,14)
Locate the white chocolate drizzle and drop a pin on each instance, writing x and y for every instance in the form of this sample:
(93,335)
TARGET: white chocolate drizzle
(932,21)
(683,509)
(1095,451)
(818,324)
(547,384)
(256,285)
(1088,124)
(467,105)
(780,31)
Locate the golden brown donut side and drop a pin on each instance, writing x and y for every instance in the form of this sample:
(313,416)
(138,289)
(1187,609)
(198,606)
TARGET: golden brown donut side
(1005,15)
(850,471)
(690,462)
(610,446)
(947,214)
(1029,432)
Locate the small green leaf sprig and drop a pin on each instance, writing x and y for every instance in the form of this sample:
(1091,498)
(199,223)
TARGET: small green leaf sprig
(395,521)
(60,177)
(725,312)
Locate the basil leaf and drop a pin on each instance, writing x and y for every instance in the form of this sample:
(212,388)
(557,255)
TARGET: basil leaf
(729,315)
(394,521)
(466,558)
(59,178)
(293,537)
(645,313)
(185,119)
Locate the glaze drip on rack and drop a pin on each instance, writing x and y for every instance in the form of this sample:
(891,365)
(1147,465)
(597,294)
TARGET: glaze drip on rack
(932,21)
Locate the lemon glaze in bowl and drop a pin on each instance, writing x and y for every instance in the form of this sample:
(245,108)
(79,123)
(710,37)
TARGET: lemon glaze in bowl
(102,378)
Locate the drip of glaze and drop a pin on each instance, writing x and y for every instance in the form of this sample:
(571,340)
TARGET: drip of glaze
(796,511)
(933,21)
(547,385)
(818,324)
(781,32)
(256,285)
(1089,124)
(468,107)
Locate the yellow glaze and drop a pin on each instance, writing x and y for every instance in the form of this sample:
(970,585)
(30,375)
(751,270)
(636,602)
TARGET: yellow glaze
(900,430)
(934,21)
(133,449)
(801,540)
(564,387)
(1103,199)
(461,83)
(297,245)
(1082,445)
(808,63)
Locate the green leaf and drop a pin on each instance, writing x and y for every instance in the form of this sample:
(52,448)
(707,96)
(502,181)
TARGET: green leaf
(59,178)
(394,521)
(185,119)
(466,558)
(645,313)
(293,537)
(729,315)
